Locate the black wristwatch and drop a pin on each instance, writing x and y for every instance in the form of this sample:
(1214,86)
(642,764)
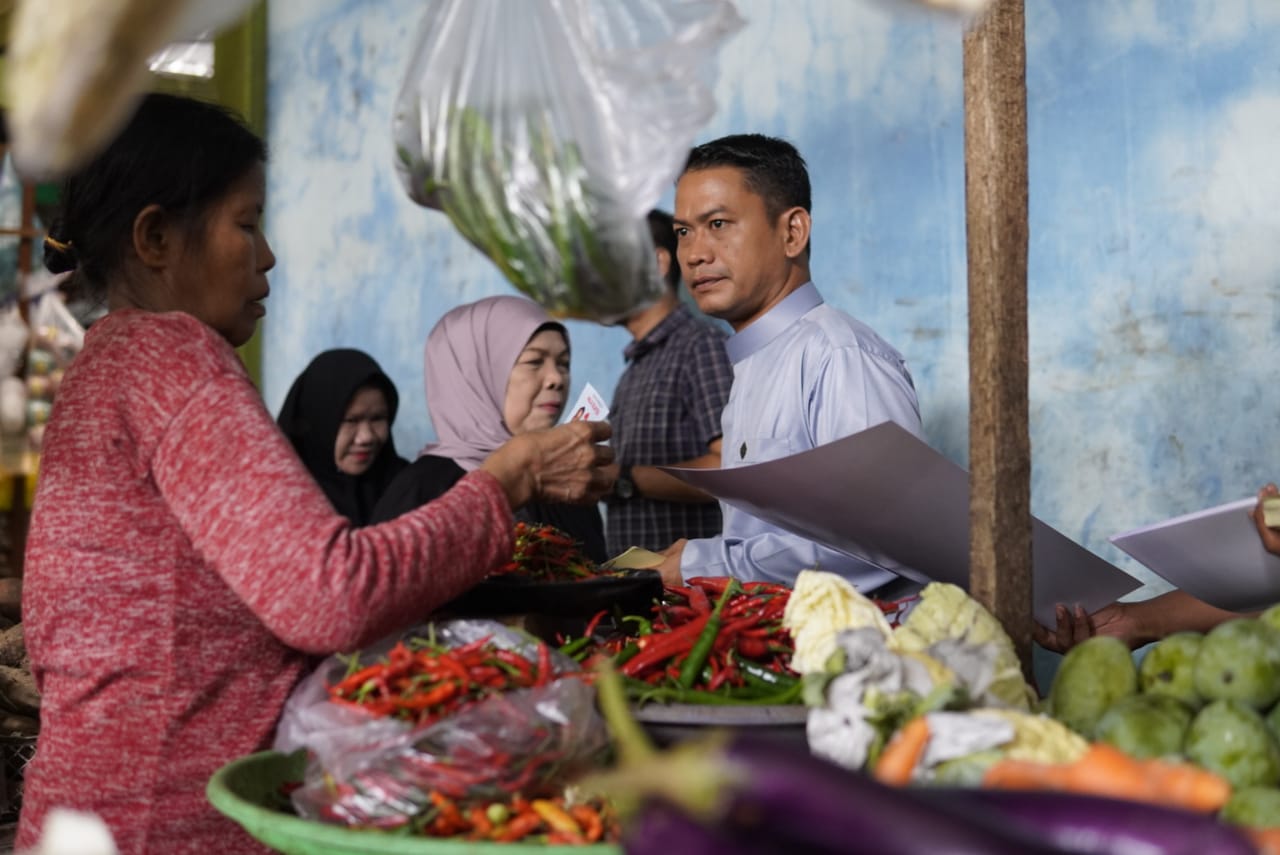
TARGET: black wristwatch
(624,488)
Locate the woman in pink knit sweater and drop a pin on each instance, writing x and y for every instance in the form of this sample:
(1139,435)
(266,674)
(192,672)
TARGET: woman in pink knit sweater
(183,568)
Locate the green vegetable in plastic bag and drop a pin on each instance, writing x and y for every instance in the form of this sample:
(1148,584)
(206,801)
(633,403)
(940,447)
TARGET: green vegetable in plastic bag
(547,129)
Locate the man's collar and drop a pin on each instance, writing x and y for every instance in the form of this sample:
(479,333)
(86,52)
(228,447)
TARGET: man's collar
(772,323)
(658,334)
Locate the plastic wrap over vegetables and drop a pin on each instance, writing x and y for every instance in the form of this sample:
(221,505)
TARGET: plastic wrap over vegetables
(464,709)
(547,129)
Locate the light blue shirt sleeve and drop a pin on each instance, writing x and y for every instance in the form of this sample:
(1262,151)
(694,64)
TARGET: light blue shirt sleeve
(773,555)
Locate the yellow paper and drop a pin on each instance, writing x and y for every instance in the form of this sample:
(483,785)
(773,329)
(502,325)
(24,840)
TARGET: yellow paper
(1271,512)
(634,558)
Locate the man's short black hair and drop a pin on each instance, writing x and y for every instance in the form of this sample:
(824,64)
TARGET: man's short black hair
(662,229)
(773,169)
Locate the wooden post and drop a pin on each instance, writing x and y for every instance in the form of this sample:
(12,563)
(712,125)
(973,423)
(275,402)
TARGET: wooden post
(995,136)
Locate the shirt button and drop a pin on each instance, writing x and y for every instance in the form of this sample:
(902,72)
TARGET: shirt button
(742,452)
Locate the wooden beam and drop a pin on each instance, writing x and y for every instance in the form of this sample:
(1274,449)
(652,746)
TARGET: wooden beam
(995,135)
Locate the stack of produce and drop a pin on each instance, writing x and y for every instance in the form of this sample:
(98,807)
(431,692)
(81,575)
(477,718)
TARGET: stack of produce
(751,795)
(1212,700)
(939,702)
(865,678)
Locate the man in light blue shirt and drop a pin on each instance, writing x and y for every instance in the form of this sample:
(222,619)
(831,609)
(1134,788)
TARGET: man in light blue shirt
(804,373)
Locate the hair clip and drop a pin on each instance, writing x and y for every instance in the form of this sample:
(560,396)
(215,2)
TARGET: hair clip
(54,243)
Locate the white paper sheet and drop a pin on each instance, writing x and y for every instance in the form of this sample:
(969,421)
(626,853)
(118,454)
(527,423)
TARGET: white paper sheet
(885,490)
(1214,554)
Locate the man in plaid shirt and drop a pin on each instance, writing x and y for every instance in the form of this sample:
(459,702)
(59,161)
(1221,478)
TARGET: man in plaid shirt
(666,412)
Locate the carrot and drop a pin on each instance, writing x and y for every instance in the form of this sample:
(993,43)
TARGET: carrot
(1104,770)
(1025,775)
(1266,839)
(901,756)
(1188,786)
(520,826)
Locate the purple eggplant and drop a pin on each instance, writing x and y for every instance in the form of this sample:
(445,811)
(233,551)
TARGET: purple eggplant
(780,798)
(660,827)
(1100,825)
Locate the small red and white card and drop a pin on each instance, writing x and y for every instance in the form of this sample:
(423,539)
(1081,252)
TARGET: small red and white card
(591,407)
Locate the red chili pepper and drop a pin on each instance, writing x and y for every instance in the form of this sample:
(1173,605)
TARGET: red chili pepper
(356,680)
(753,648)
(434,697)
(711,584)
(594,622)
(589,820)
(679,614)
(664,646)
(544,663)
(519,827)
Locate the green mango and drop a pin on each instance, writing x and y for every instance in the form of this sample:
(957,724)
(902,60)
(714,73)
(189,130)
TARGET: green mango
(1146,726)
(1271,616)
(1255,807)
(1169,668)
(1240,661)
(1093,675)
(1230,738)
(1273,722)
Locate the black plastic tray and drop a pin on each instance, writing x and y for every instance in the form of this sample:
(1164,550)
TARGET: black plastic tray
(633,592)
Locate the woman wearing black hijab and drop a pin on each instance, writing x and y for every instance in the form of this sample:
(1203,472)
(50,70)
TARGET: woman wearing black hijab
(338,415)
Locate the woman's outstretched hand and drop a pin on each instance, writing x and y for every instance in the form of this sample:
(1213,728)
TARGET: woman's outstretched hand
(562,464)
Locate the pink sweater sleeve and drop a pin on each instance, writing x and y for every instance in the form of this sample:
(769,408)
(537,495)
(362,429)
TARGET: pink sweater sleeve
(257,517)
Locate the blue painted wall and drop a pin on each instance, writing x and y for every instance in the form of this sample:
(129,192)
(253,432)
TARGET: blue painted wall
(1155,249)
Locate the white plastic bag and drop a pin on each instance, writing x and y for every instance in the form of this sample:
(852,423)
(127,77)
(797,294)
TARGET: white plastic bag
(56,338)
(547,129)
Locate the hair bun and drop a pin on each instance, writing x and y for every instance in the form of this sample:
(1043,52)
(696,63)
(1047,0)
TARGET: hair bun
(59,256)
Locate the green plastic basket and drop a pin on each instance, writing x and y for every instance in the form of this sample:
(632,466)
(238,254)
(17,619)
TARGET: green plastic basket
(248,791)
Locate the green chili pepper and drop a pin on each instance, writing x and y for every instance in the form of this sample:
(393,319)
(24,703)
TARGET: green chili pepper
(763,677)
(701,649)
(573,648)
(644,626)
(642,692)
(625,654)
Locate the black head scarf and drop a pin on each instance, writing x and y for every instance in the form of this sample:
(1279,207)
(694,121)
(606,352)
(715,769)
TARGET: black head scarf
(313,412)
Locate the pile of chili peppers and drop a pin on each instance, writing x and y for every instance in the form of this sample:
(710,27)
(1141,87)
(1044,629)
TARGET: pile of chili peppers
(551,820)
(710,641)
(546,554)
(422,681)
(713,640)
(466,754)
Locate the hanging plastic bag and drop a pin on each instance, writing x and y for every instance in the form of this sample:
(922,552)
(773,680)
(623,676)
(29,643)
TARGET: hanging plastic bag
(56,338)
(371,767)
(547,129)
(77,68)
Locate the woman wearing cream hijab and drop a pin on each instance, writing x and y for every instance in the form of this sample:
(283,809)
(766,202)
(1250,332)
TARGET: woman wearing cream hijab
(495,368)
